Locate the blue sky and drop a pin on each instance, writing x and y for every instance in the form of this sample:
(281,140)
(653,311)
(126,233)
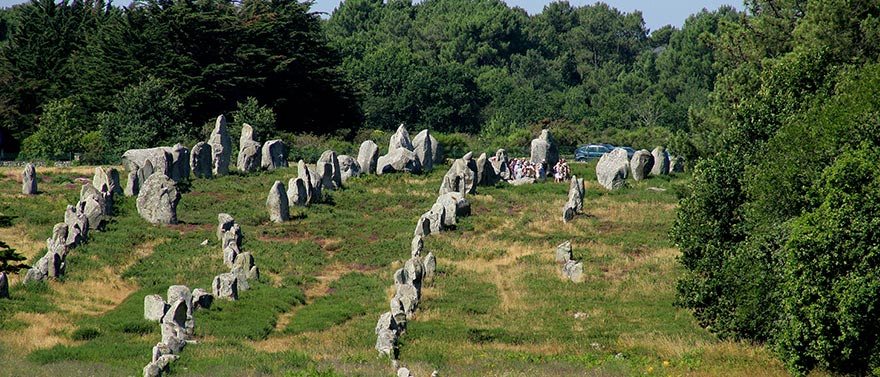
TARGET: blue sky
(655,12)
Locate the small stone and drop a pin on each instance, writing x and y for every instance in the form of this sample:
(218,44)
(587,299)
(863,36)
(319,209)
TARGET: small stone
(573,271)
(563,252)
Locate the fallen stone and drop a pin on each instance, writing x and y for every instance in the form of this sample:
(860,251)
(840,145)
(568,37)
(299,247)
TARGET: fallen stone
(400,160)
(277,204)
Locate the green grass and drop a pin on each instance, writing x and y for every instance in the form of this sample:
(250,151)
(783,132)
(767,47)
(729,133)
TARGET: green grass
(496,306)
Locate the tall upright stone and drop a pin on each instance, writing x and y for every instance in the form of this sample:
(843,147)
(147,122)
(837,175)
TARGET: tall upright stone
(162,162)
(221,147)
(29,180)
(200,160)
(641,164)
(368,154)
(180,162)
(544,149)
(348,167)
(133,184)
(108,178)
(145,171)
(612,169)
(274,155)
(249,152)
(486,175)
(332,178)
(400,139)
(277,204)
(157,200)
(225,222)
(424,150)
(297,194)
(661,161)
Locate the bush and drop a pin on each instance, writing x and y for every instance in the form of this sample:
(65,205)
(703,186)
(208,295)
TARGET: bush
(62,131)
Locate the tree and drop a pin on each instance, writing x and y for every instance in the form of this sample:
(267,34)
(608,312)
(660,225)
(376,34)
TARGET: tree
(9,259)
(61,128)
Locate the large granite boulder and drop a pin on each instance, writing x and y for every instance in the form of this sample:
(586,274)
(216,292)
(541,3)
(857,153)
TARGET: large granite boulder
(145,171)
(348,167)
(328,167)
(486,175)
(221,147)
(180,162)
(501,165)
(154,308)
(225,286)
(107,178)
(201,299)
(398,160)
(274,155)
(157,201)
(200,160)
(661,161)
(400,139)
(29,180)
(277,204)
(455,206)
(249,151)
(641,164)
(313,181)
(224,224)
(368,156)
(297,193)
(436,150)
(162,161)
(460,178)
(424,150)
(612,169)
(544,149)
(386,335)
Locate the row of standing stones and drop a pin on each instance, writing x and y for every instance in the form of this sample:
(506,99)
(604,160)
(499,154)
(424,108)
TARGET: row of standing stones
(615,166)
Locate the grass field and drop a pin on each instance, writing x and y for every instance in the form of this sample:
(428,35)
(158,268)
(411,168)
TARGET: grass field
(498,305)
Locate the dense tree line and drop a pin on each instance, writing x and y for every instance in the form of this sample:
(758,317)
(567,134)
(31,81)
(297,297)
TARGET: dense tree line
(90,74)
(779,234)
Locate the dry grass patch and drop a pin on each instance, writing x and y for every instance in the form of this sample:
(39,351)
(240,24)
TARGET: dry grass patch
(42,331)
(101,292)
(18,238)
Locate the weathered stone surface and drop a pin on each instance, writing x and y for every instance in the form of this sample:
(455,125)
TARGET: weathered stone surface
(145,171)
(661,161)
(401,276)
(486,175)
(415,273)
(399,160)
(277,204)
(424,150)
(313,180)
(400,139)
(77,226)
(107,178)
(430,265)
(4,285)
(229,253)
(154,308)
(274,155)
(641,164)
(162,161)
(575,202)
(437,215)
(418,244)
(612,169)
(138,157)
(58,242)
(182,293)
(224,224)
(93,209)
(180,161)
(408,296)
(368,156)
(133,185)
(29,180)
(328,168)
(423,226)
(221,147)
(157,201)
(297,192)
(200,160)
(249,155)
(152,370)
(232,237)
(581,191)
(202,299)
(677,164)
(398,313)
(501,165)
(456,205)
(573,271)
(159,350)
(348,167)
(460,178)
(386,335)
(563,252)
(544,149)
(225,286)
(177,316)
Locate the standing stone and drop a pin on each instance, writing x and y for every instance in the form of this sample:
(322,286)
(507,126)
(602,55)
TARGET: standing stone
(145,172)
(133,185)
(544,149)
(108,179)
(328,167)
(249,152)
(400,139)
(368,154)
(162,162)
(224,224)
(661,161)
(418,244)
(348,167)
(277,204)
(386,335)
(225,286)
(641,163)
(154,308)
(612,169)
(573,271)
(460,178)
(563,252)
(398,160)
(423,226)
(4,285)
(485,172)
(297,194)
(436,150)
(312,180)
(157,201)
(424,150)
(29,180)
(221,147)
(501,165)
(430,265)
(274,155)
(180,161)
(200,160)
(202,299)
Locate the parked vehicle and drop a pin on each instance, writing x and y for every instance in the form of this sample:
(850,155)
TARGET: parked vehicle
(629,151)
(590,152)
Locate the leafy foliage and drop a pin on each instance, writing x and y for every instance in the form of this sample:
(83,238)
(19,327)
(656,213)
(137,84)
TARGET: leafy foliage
(9,259)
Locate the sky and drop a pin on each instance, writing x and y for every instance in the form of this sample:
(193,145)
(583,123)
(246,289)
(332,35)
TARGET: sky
(656,13)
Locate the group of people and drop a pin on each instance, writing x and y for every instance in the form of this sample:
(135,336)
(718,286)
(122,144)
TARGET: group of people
(525,168)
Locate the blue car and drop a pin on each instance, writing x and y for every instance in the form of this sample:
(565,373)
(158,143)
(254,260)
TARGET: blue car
(590,152)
